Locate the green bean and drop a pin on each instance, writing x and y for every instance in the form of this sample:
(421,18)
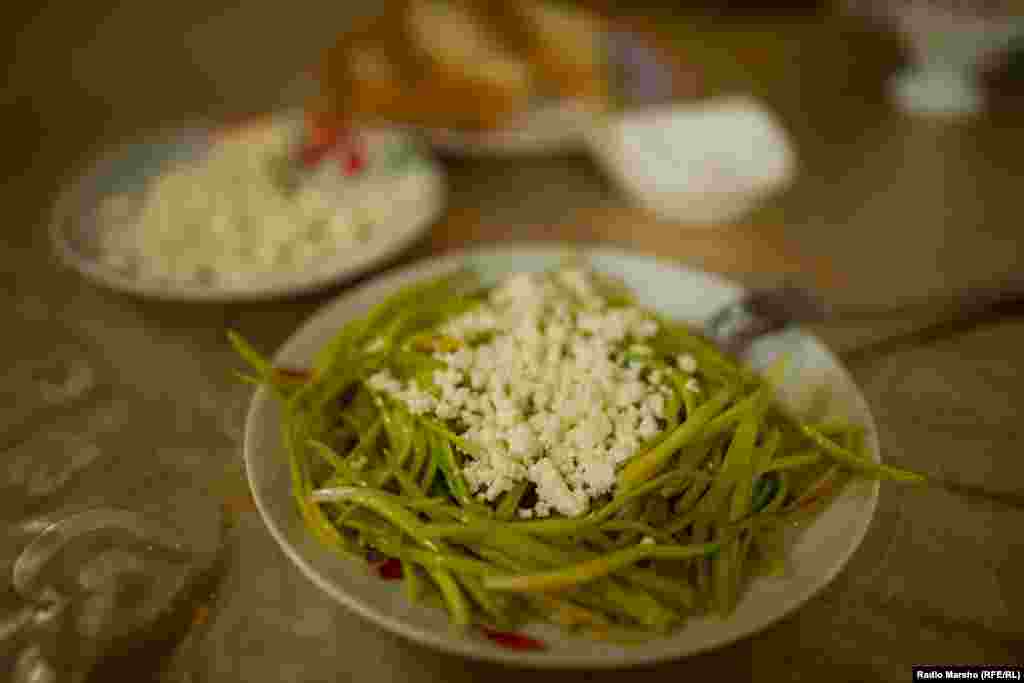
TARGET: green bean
(421,293)
(596,568)
(740,467)
(780,493)
(406,483)
(413,582)
(405,428)
(673,406)
(690,459)
(519,544)
(429,476)
(766,453)
(734,475)
(453,596)
(638,527)
(420,454)
(387,505)
(596,538)
(570,598)
(406,363)
(646,465)
(445,457)
(670,590)
(636,602)
(636,356)
(688,397)
(838,428)
(863,465)
(690,499)
(249,353)
(447,560)
(510,502)
(731,417)
(369,439)
(722,572)
(713,489)
(332,458)
(817,488)
(488,602)
(554,527)
(460,443)
(341,467)
(789,462)
(433,504)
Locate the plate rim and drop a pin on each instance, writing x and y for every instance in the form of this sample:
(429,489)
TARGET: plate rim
(630,656)
(64,210)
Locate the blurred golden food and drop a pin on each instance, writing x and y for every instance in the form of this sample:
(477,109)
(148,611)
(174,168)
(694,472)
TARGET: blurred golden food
(469,64)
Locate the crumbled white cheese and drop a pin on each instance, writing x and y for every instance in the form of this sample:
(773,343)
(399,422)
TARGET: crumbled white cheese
(647,540)
(546,398)
(687,362)
(243,211)
(692,385)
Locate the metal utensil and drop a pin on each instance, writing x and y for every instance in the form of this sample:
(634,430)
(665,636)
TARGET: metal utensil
(762,311)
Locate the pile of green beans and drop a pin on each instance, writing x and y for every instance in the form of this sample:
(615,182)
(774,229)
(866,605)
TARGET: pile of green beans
(696,513)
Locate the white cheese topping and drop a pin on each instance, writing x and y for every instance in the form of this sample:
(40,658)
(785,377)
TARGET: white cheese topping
(243,212)
(547,399)
(687,363)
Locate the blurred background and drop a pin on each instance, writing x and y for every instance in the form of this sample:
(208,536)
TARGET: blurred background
(81,77)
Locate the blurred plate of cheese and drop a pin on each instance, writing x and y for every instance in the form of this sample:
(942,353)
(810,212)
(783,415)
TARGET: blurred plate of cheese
(278,205)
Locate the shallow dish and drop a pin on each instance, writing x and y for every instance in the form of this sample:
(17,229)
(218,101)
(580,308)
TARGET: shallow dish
(76,221)
(815,377)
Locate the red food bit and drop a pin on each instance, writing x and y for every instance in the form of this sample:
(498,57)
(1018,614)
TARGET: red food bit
(390,569)
(822,491)
(293,374)
(354,162)
(321,130)
(323,135)
(512,641)
(312,155)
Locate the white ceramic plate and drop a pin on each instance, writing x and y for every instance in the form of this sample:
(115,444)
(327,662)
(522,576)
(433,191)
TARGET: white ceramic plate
(76,222)
(818,553)
(550,128)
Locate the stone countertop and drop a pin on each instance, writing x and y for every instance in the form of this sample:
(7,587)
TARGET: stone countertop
(128,402)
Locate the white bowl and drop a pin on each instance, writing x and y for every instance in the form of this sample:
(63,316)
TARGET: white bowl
(703,163)
(818,553)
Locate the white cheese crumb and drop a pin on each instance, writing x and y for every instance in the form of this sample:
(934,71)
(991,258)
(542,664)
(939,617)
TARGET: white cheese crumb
(228,218)
(376,345)
(641,350)
(546,397)
(647,540)
(692,385)
(687,362)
